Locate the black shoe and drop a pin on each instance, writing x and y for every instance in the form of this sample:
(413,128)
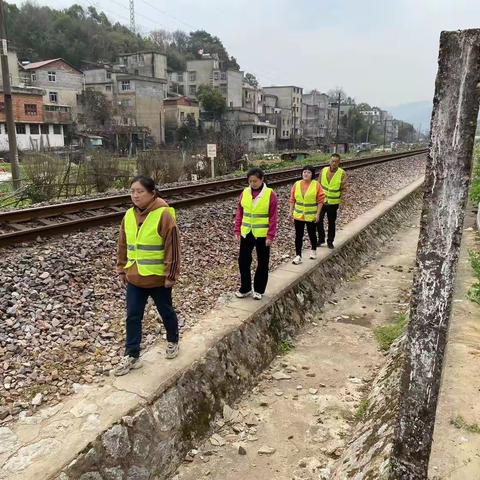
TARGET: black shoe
(330,245)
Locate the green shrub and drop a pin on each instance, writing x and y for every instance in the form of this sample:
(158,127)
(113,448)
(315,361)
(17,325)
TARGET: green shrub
(362,409)
(474,291)
(286,346)
(387,334)
(475,184)
(460,423)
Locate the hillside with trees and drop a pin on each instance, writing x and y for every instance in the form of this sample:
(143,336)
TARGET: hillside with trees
(78,35)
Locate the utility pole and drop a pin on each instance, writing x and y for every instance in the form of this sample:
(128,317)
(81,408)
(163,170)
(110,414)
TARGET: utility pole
(384,133)
(338,121)
(7,93)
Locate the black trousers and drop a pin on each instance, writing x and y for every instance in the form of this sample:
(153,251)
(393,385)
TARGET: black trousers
(260,280)
(136,300)
(299,232)
(331,212)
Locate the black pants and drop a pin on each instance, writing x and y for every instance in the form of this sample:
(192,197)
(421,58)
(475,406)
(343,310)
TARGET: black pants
(331,212)
(260,280)
(136,300)
(299,232)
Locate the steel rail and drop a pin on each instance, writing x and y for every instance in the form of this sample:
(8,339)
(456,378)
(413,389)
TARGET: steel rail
(180,196)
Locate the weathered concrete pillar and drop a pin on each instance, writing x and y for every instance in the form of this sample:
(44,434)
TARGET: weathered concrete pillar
(454,117)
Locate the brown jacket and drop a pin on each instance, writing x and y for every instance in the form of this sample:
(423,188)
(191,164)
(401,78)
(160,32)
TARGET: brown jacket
(167,229)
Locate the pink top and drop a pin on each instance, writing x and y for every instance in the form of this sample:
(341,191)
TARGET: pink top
(272,214)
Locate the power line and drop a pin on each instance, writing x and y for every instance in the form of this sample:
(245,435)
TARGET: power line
(173,17)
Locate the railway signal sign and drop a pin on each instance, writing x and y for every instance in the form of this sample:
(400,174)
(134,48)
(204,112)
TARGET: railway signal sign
(211,154)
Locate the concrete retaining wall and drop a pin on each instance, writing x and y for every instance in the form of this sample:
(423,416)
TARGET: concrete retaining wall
(154,437)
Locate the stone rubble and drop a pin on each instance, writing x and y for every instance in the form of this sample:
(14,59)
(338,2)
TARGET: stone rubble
(62,308)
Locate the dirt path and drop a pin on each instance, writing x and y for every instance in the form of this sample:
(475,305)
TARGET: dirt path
(295,427)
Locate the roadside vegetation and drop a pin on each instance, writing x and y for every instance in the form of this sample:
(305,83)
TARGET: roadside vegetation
(474,291)
(362,409)
(475,184)
(387,334)
(460,423)
(285,347)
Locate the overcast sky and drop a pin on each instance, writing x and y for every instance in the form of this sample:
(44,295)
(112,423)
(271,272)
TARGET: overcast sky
(380,51)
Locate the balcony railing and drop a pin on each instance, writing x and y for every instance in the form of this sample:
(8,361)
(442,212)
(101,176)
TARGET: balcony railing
(57,117)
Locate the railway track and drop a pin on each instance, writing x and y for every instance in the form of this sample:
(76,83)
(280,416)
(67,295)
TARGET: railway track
(22,225)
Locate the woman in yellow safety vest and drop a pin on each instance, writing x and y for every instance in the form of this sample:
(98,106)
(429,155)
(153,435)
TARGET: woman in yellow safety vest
(255,227)
(148,265)
(306,199)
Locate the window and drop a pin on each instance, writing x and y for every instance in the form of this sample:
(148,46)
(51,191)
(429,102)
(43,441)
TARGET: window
(52,76)
(21,129)
(53,97)
(223,76)
(192,76)
(215,76)
(30,109)
(34,76)
(44,129)
(192,90)
(135,71)
(125,85)
(125,103)
(182,116)
(2,106)
(34,129)
(180,77)
(109,75)
(108,88)
(57,129)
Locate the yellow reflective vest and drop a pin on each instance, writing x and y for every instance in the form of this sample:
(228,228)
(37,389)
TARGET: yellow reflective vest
(332,187)
(255,213)
(145,246)
(305,206)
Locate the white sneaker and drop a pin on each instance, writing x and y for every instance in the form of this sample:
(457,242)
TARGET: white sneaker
(243,295)
(257,296)
(172,350)
(313,254)
(126,364)
(297,260)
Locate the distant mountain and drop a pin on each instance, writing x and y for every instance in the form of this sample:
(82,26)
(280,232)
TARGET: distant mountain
(416,113)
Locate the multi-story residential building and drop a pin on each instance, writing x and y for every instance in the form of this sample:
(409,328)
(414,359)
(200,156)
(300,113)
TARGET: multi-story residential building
(252,98)
(290,101)
(257,135)
(177,112)
(136,86)
(315,118)
(62,83)
(144,64)
(334,109)
(177,83)
(33,130)
(207,71)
